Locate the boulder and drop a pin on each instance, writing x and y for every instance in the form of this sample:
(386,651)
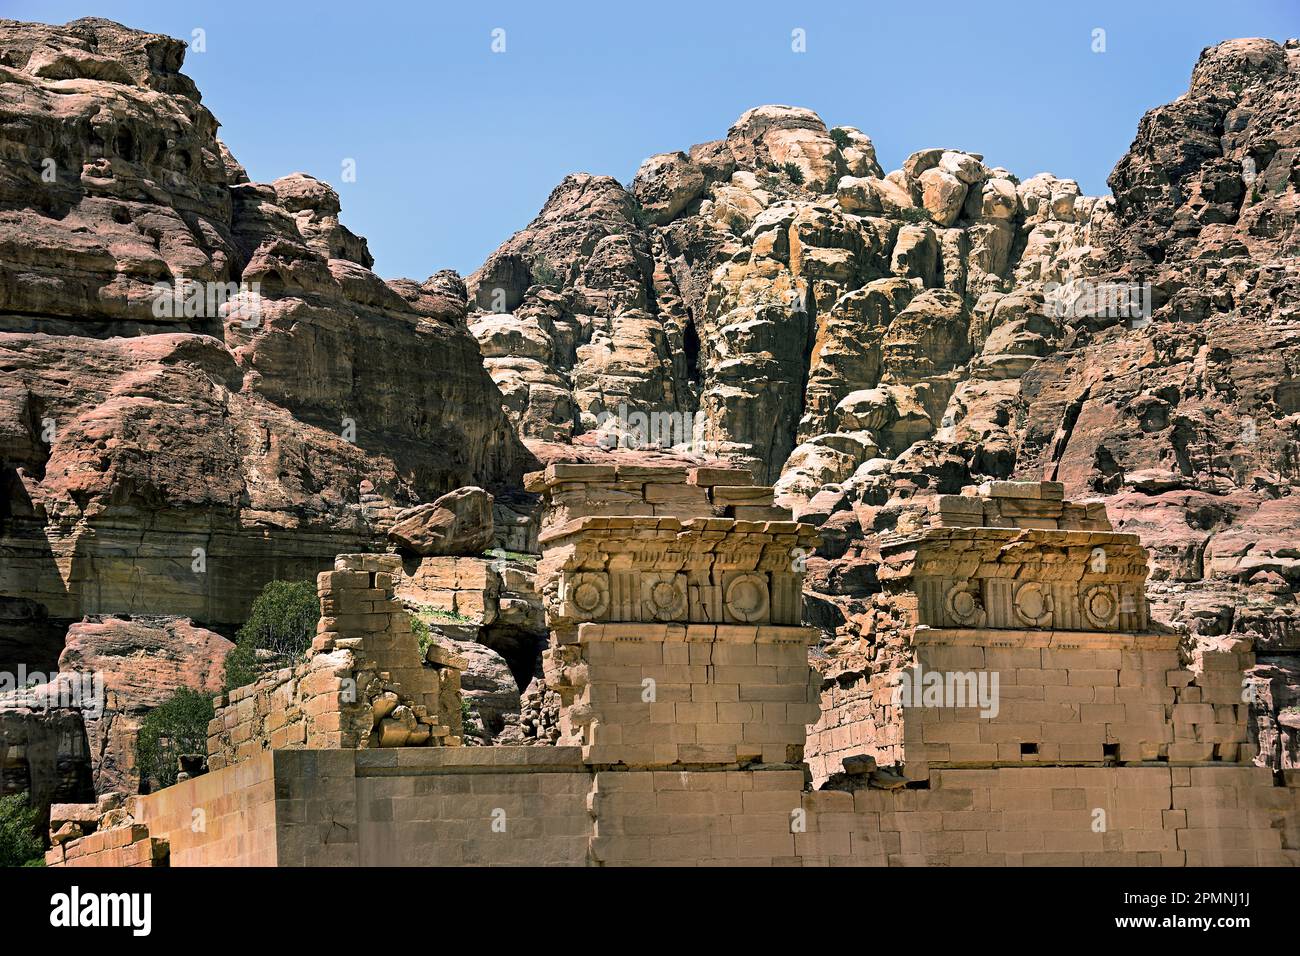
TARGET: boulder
(458,523)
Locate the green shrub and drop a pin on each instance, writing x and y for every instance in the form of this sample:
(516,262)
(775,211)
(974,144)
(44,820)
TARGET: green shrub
(20,839)
(640,216)
(241,664)
(282,620)
(794,172)
(914,214)
(840,138)
(420,628)
(179,725)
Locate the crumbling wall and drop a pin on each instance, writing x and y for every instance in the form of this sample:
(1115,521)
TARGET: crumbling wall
(363,683)
(631,487)
(1036,601)
(678,642)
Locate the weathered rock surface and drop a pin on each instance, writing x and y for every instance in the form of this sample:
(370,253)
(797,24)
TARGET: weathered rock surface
(111,673)
(458,523)
(169,454)
(863,339)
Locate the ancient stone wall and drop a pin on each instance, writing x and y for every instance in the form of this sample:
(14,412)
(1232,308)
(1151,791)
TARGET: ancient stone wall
(678,642)
(1040,609)
(572,491)
(685,689)
(363,683)
(544,806)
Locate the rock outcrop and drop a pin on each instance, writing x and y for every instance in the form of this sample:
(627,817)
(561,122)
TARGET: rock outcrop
(458,523)
(202,384)
(862,338)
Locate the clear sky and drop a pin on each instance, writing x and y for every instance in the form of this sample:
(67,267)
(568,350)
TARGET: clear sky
(457,146)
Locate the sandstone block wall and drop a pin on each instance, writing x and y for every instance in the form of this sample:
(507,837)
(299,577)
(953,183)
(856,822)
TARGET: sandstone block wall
(468,587)
(736,818)
(574,491)
(677,642)
(1018,504)
(219,819)
(1058,617)
(544,806)
(662,694)
(474,806)
(127,846)
(363,683)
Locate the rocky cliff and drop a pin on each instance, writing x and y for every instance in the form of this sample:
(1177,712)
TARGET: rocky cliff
(866,339)
(861,339)
(167,452)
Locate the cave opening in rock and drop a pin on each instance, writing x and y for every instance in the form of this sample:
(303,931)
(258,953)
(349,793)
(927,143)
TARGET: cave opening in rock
(691,351)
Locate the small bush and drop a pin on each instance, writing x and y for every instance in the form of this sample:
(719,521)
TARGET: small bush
(282,620)
(914,214)
(640,216)
(794,172)
(840,138)
(241,665)
(20,839)
(179,725)
(420,628)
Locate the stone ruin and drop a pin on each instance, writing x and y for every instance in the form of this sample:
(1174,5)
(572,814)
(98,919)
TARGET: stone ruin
(362,684)
(1011,580)
(701,722)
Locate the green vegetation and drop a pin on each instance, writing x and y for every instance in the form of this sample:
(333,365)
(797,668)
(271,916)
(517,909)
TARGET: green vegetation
(282,620)
(840,138)
(914,214)
(179,725)
(420,628)
(20,839)
(424,616)
(794,172)
(436,615)
(501,554)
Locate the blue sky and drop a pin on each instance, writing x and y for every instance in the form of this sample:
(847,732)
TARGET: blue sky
(456,147)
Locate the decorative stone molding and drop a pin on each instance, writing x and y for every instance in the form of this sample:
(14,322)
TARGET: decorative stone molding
(1101,604)
(663,596)
(677,643)
(586,595)
(746,597)
(1033,604)
(965,603)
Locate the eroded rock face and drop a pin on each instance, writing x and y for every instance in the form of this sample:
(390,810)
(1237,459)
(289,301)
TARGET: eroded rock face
(862,339)
(170,453)
(142,662)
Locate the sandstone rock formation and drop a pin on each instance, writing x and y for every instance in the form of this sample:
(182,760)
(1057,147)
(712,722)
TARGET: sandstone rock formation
(862,338)
(202,384)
